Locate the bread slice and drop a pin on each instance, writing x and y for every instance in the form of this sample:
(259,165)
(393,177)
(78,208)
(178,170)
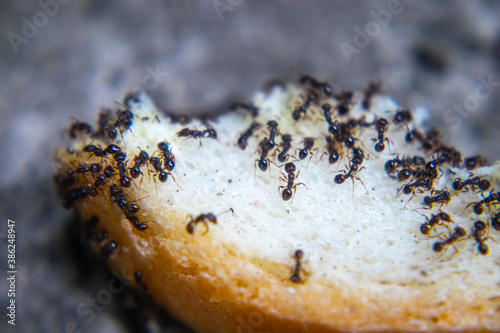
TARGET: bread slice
(219,247)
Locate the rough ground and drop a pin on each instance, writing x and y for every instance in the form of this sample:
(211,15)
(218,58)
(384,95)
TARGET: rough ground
(89,53)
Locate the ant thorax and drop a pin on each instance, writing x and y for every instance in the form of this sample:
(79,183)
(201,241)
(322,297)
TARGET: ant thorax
(349,177)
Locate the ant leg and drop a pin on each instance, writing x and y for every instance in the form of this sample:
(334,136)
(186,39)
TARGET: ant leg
(206,227)
(173,178)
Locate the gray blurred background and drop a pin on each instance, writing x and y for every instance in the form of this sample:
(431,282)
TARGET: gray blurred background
(65,61)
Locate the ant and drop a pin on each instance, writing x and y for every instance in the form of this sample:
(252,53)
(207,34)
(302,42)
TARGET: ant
(295,276)
(80,170)
(302,109)
(358,156)
(323,87)
(79,127)
(202,218)
(458,232)
(254,111)
(353,169)
(95,150)
(478,206)
(483,184)
(131,97)
(414,134)
(156,162)
(411,187)
(478,231)
(242,140)
(74,195)
(108,249)
(139,161)
(442,197)
(109,171)
(402,116)
(168,157)
(289,178)
(273,130)
(123,123)
(308,144)
(495,221)
(134,220)
(434,220)
(287,144)
(122,171)
(373,89)
(194,133)
(473,162)
(381,126)
(327,112)
(264,150)
(345,102)
(332,150)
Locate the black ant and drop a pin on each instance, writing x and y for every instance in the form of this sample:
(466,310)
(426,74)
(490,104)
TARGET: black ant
(122,171)
(333,150)
(381,126)
(289,179)
(442,197)
(134,220)
(242,140)
(264,150)
(478,206)
(358,156)
(108,249)
(273,130)
(327,112)
(190,133)
(483,184)
(287,144)
(345,102)
(458,232)
(426,183)
(83,169)
(495,221)
(323,87)
(79,127)
(139,161)
(473,162)
(254,111)
(156,162)
(353,169)
(123,123)
(74,195)
(295,276)
(95,150)
(373,89)
(402,116)
(131,97)
(478,231)
(434,220)
(414,135)
(202,218)
(168,157)
(308,145)
(109,171)
(194,133)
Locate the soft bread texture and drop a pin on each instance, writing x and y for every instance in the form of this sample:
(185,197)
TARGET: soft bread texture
(366,265)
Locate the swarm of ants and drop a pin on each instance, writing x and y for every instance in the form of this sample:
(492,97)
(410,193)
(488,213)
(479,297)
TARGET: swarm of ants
(415,175)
